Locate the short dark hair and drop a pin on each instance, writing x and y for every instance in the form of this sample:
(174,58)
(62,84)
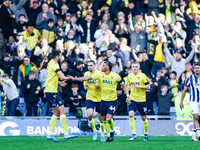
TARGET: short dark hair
(27,57)
(50,21)
(135,62)
(92,61)
(65,62)
(31,73)
(55,53)
(74,85)
(110,49)
(109,64)
(159,70)
(164,85)
(197,64)
(174,72)
(150,76)
(73,15)
(165,68)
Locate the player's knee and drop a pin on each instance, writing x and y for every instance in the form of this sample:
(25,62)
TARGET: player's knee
(104,118)
(56,114)
(131,114)
(143,118)
(89,116)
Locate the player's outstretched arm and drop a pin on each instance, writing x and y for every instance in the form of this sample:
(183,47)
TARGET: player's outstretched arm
(85,78)
(183,96)
(62,76)
(145,87)
(126,90)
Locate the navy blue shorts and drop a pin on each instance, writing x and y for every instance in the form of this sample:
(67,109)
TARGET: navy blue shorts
(91,105)
(54,99)
(108,107)
(141,106)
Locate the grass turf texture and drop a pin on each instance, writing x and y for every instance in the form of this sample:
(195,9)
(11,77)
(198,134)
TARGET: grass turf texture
(86,143)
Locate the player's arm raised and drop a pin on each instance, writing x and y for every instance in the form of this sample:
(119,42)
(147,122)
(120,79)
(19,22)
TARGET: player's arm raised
(85,78)
(183,96)
(62,76)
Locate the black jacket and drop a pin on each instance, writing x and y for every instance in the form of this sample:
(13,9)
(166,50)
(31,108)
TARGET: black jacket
(33,15)
(6,66)
(5,22)
(67,89)
(153,5)
(193,27)
(75,103)
(146,67)
(79,57)
(77,73)
(122,105)
(160,82)
(126,10)
(20,27)
(93,26)
(29,94)
(16,63)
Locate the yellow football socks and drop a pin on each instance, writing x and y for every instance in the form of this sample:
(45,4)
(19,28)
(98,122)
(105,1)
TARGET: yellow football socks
(145,126)
(102,128)
(132,125)
(111,124)
(52,123)
(63,122)
(92,123)
(107,127)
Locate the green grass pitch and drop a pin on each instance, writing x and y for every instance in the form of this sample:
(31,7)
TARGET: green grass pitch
(86,143)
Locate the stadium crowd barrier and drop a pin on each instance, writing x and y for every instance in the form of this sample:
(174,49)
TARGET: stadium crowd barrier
(38,126)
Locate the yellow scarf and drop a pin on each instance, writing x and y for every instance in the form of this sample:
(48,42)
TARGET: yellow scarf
(29,32)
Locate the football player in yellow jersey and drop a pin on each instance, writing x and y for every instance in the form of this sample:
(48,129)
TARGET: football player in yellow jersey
(93,99)
(108,82)
(138,84)
(54,99)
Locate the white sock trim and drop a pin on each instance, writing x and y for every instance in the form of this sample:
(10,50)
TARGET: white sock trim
(56,117)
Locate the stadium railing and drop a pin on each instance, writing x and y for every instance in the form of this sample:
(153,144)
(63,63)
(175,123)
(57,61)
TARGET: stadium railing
(156,117)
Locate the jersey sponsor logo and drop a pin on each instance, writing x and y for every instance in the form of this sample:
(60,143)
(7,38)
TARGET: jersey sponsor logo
(133,83)
(91,81)
(197,85)
(9,124)
(107,81)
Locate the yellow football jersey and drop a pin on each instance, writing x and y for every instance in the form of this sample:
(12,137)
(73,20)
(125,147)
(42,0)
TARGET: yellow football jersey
(138,95)
(108,84)
(51,84)
(93,93)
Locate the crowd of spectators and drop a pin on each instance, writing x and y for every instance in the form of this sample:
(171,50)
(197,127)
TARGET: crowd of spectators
(163,35)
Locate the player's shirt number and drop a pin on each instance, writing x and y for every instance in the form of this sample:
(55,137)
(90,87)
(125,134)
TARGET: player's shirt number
(112,108)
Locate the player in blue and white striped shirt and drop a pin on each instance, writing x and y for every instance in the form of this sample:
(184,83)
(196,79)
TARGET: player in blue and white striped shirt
(193,83)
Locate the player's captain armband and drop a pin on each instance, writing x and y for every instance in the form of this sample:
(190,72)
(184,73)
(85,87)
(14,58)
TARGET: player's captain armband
(121,82)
